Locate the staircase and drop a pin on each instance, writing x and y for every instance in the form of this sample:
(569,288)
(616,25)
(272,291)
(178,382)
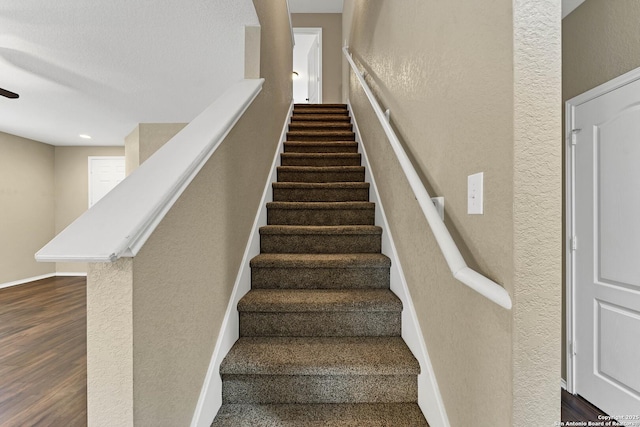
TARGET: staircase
(320,330)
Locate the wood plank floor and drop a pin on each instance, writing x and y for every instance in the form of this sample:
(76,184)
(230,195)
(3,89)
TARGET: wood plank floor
(43,357)
(575,408)
(43,353)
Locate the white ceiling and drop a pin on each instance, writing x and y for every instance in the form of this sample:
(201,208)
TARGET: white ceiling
(315,6)
(100,67)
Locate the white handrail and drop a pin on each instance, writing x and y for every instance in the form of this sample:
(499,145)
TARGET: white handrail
(121,222)
(452,255)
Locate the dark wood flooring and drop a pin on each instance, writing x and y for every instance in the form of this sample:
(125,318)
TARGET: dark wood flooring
(43,357)
(43,353)
(575,408)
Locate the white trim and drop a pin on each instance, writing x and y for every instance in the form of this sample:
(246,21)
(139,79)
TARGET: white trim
(459,269)
(71,274)
(570,107)
(27,280)
(293,39)
(210,399)
(563,384)
(429,397)
(122,221)
(317,31)
(35,278)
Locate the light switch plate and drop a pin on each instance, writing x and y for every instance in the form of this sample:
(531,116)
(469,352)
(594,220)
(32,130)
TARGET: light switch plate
(475,193)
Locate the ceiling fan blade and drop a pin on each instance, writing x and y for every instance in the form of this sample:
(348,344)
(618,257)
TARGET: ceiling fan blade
(8,94)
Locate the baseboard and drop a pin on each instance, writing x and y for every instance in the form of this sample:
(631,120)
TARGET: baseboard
(71,274)
(563,383)
(210,399)
(27,280)
(429,397)
(44,276)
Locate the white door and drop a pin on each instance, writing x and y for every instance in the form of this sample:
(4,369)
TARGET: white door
(606,257)
(313,67)
(104,174)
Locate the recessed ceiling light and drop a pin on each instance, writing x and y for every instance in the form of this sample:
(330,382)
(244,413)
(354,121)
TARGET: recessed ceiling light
(84,136)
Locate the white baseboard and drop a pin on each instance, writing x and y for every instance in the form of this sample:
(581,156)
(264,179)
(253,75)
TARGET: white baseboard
(33,279)
(27,280)
(71,274)
(563,383)
(429,397)
(210,399)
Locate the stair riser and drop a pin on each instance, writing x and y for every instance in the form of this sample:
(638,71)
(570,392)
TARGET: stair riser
(321,136)
(320,244)
(320,216)
(320,195)
(343,118)
(320,160)
(319,389)
(319,278)
(320,176)
(320,126)
(320,148)
(321,324)
(321,111)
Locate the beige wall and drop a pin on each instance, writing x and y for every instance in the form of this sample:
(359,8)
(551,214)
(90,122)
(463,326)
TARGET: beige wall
(145,140)
(331,24)
(26,206)
(71,167)
(446,72)
(184,275)
(600,41)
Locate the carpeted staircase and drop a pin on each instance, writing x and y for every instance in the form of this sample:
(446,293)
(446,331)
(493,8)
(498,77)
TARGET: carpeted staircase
(320,337)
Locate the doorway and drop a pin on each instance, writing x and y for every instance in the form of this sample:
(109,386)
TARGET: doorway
(307,65)
(603,245)
(105,172)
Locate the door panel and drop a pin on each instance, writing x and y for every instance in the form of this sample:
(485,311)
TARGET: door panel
(619,367)
(618,196)
(313,69)
(607,258)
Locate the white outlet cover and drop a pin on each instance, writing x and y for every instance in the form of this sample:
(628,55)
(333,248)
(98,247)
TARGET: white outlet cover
(475,190)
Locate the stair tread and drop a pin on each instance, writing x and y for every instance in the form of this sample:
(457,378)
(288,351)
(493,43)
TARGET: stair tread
(321,414)
(321,205)
(341,106)
(319,132)
(321,185)
(321,229)
(320,117)
(329,143)
(320,356)
(322,155)
(324,110)
(315,124)
(321,168)
(315,300)
(321,260)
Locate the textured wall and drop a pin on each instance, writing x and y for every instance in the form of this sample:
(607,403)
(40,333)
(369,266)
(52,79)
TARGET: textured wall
(110,344)
(72,189)
(183,276)
(26,206)
(537,207)
(446,72)
(600,41)
(145,139)
(331,24)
